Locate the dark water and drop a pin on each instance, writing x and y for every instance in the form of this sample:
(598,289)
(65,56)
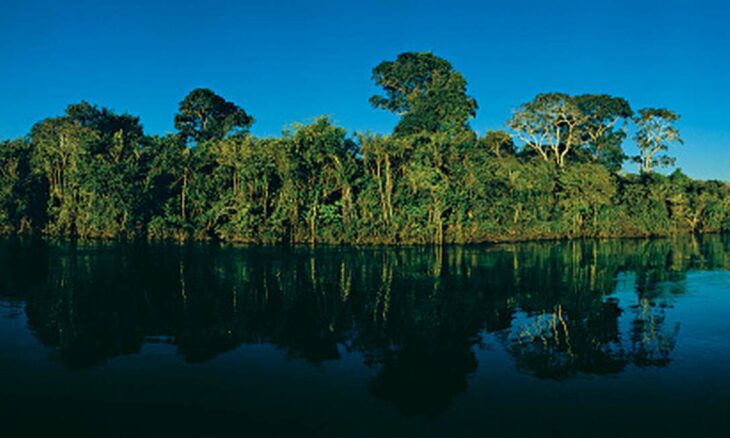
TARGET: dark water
(614,338)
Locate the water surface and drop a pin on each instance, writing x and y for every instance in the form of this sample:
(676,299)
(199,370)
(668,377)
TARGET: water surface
(570,339)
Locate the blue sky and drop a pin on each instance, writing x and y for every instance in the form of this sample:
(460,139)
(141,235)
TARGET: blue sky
(290,61)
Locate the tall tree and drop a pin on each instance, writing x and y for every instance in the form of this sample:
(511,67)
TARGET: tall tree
(204,115)
(600,129)
(425,90)
(108,193)
(322,155)
(59,149)
(655,132)
(22,192)
(167,172)
(125,127)
(382,157)
(549,125)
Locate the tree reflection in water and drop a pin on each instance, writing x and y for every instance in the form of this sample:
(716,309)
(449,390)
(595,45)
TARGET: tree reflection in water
(417,315)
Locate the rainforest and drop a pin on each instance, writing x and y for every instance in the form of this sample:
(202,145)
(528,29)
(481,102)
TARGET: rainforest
(558,170)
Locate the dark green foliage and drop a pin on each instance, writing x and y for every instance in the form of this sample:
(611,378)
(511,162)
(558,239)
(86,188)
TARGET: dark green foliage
(600,131)
(499,143)
(93,173)
(205,116)
(426,91)
(89,159)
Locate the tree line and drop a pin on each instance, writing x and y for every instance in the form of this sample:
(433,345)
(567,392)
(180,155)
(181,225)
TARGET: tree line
(557,172)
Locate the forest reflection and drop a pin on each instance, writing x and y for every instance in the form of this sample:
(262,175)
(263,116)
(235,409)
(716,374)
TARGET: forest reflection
(417,315)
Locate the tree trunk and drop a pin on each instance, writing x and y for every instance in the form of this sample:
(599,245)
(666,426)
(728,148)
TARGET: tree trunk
(182,195)
(388,190)
(313,225)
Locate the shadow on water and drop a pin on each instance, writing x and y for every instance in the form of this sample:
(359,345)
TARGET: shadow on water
(416,315)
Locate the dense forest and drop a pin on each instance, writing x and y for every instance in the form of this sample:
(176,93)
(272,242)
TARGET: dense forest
(557,173)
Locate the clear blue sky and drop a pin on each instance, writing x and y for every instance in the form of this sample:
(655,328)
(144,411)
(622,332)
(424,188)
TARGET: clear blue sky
(289,61)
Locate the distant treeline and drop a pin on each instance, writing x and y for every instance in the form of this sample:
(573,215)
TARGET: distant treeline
(92,173)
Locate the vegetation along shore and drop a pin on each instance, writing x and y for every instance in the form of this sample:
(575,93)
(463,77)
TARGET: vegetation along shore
(558,172)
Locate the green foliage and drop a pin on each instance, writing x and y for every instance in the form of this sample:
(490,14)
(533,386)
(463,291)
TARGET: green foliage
(654,134)
(204,115)
(92,173)
(499,143)
(425,91)
(599,129)
(583,191)
(22,192)
(89,158)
